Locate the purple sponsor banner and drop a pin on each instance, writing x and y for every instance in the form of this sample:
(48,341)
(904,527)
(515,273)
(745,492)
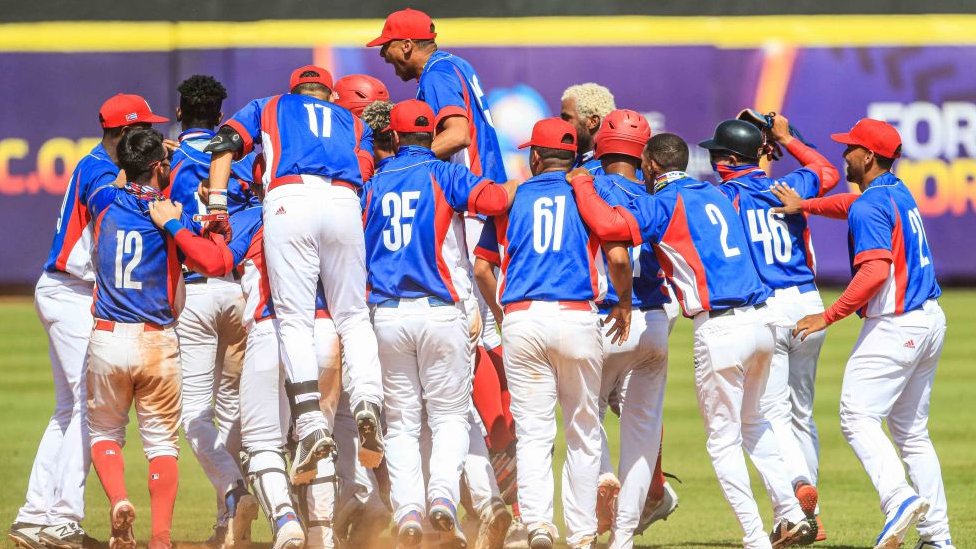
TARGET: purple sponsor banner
(50,120)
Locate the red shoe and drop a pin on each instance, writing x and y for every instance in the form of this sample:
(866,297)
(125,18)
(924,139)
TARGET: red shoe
(606,502)
(821,533)
(808,497)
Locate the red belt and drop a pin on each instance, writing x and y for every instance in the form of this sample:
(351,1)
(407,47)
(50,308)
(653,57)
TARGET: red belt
(109,326)
(319,313)
(295,179)
(563,305)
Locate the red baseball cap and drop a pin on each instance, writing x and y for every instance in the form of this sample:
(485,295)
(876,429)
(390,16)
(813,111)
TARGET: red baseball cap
(324,77)
(874,135)
(405,117)
(125,109)
(551,133)
(404,24)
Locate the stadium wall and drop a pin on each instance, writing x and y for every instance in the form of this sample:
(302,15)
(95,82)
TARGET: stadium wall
(684,73)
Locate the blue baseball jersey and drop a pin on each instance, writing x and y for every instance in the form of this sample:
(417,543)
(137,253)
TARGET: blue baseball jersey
(415,243)
(137,269)
(71,249)
(648,289)
(190,165)
(545,251)
(450,85)
(302,135)
(589,161)
(781,245)
(702,247)
(885,222)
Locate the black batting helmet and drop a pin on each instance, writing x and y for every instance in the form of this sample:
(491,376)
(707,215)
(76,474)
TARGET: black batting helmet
(736,136)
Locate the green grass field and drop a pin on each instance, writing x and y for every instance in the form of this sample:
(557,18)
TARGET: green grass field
(849,503)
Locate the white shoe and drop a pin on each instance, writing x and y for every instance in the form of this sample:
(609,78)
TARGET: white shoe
(908,514)
(288,533)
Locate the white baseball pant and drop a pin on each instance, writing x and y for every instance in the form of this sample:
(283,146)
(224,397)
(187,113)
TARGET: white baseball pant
(313,232)
(788,402)
(56,489)
(130,364)
(212,341)
(732,357)
(488,335)
(358,489)
(889,378)
(638,369)
(554,355)
(424,355)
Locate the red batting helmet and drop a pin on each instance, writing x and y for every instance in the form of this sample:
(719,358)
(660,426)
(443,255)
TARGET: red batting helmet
(356,91)
(623,131)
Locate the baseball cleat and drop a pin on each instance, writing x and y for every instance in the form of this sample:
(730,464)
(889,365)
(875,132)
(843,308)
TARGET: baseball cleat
(933,544)
(121,518)
(288,533)
(907,515)
(787,533)
(410,531)
(808,497)
(657,510)
(493,526)
(242,508)
(218,536)
(370,434)
(443,517)
(606,502)
(821,533)
(540,538)
(68,535)
(517,536)
(316,446)
(25,534)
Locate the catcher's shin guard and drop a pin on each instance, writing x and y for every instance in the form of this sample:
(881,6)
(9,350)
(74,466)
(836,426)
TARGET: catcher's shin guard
(269,481)
(318,500)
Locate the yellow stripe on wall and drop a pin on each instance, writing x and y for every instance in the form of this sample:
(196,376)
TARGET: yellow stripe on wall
(726,32)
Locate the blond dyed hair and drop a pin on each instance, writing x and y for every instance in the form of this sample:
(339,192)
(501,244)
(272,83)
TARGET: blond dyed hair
(592,99)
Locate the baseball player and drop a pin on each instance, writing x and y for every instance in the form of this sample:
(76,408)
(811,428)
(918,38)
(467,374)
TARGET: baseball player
(210,328)
(318,154)
(552,341)
(55,502)
(452,88)
(782,250)
(703,251)
(638,368)
(891,369)
(584,106)
(133,355)
(415,253)
(355,92)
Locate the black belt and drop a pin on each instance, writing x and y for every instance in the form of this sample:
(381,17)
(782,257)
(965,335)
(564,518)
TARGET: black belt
(731,311)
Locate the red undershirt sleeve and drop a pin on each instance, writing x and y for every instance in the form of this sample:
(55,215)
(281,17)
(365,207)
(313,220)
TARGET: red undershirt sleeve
(815,162)
(208,256)
(488,199)
(609,223)
(835,206)
(870,276)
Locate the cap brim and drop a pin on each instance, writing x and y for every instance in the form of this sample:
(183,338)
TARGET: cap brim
(711,145)
(844,138)
(379,41)
(155,119)
(525,145)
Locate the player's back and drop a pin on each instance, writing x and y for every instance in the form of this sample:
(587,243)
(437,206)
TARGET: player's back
(617,190)
(71,246)
(887,206)
(137,271)
(702,246)
(191,165)
(547,252)
(415,243)
(781,245)
(303,135)
(449,81)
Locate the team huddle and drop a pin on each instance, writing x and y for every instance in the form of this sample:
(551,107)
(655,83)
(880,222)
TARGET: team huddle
(358,320)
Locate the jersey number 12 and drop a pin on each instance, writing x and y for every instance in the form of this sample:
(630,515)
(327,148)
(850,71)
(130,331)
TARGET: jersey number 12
(127,243)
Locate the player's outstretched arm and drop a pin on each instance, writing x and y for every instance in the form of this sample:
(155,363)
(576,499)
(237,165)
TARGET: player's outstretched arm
(621,274)
(484,276)
(807,156)
(207,256)
(870,277)
(834,206)
(610,224)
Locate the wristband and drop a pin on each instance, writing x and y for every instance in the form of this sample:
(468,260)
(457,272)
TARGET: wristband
(217,200)
(173,226)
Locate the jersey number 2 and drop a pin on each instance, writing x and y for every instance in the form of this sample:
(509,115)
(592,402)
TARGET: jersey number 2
(127,243)
(323,129)
(716,217)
